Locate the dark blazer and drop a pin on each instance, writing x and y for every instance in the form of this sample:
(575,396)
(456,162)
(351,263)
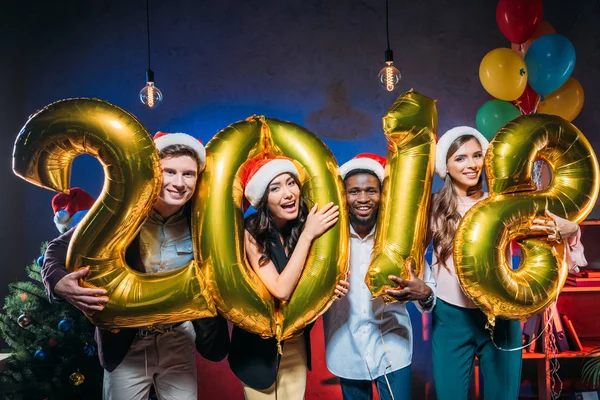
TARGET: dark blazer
(254,360)
(212,335)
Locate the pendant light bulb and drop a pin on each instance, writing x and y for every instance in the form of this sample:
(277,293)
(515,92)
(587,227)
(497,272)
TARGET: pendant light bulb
(389,76)
(150,95)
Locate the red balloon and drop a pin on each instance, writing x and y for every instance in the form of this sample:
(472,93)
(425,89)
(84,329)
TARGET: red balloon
(528,101)
(517,19)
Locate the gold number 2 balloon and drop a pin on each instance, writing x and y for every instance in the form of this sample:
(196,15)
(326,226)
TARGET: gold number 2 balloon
(239,294)
(43,154)
(487,229)
(410,127)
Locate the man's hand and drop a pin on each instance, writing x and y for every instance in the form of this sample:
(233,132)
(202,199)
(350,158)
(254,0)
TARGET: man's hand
(410,290)
(87,300)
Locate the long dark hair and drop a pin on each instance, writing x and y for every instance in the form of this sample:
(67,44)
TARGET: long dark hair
(444,211)
(262,227)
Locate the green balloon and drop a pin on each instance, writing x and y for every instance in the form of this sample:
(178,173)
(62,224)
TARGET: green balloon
(493,115)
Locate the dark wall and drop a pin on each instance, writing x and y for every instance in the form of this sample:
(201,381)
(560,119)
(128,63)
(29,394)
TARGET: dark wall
(313,62)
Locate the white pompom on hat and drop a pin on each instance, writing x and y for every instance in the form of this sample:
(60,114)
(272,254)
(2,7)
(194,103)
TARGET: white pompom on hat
(70,208)
(443,145)
(258,172)
(371,162)
(162,140)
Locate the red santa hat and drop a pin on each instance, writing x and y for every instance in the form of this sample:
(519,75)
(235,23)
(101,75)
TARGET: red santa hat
(444,143)
(162,140)
(371,162)
(70,208)
(258,172)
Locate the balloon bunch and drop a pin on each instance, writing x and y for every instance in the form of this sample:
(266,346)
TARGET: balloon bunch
(533,76)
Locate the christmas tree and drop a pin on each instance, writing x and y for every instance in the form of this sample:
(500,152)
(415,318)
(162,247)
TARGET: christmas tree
(54,354)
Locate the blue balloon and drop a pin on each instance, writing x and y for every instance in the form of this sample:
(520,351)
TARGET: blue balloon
(550,61)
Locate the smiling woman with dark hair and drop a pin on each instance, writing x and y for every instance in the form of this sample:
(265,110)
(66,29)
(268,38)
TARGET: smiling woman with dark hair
(277,241)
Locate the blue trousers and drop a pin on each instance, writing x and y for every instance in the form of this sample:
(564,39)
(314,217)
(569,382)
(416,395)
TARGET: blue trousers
(400,382)
(458,336)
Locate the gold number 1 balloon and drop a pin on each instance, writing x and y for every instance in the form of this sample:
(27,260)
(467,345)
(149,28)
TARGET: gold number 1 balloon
(43,154)
(238,292)
(410,127)
(487,229)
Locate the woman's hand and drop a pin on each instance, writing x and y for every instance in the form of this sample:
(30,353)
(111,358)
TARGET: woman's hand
(319,221)
(555,226)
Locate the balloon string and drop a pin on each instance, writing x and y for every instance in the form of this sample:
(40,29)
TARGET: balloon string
(537,104)
(387,354)
(358,349)
(555,365)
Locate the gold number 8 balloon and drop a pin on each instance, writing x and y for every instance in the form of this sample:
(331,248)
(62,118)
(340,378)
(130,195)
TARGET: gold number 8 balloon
(238,293)
(43,153)
(486,230)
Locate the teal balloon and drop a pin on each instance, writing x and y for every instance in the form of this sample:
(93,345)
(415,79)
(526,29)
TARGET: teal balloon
(550,61)
(493,115)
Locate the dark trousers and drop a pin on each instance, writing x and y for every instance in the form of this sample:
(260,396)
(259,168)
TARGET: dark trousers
(400,382)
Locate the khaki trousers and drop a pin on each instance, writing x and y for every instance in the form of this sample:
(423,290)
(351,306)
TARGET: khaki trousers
(291,376)
(166,360)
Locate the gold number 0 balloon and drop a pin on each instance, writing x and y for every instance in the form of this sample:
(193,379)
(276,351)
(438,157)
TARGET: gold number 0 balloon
(43,153)
(487,229)
(239,295)
(410,127)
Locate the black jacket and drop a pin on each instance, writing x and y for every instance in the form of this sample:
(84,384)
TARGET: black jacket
(255,360)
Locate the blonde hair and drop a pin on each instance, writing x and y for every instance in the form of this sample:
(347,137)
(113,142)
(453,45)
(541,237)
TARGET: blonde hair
(444,214)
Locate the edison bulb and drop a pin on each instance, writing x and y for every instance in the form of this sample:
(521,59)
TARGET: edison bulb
(389,76)
(150,95)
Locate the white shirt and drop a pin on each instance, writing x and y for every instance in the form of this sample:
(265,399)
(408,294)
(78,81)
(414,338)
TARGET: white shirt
(363,336)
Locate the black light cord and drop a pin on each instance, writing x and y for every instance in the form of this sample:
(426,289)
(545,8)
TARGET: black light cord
(148,30)
(387,30)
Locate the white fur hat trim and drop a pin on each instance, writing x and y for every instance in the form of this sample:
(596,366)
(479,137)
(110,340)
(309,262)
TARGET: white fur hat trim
(256,186)
(169,139)
(362,163)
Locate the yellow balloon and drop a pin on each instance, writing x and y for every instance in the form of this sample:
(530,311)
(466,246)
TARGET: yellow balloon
(566,101)
(503,74)
(487,229)
(43,154)
(410,126)
(239,294)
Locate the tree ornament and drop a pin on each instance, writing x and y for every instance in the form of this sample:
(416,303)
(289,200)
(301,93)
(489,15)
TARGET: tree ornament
(23,296)
(24,320)
(76,378)
(52,342)
(89,349)
(65,325)
(40,261)
(40,355)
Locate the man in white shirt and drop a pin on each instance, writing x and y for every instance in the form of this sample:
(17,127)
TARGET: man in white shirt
(367,341)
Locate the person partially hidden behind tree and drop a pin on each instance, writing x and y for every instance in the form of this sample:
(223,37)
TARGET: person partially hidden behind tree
(134,360)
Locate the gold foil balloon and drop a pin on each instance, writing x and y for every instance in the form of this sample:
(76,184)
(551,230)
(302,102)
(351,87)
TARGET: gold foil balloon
(43,153)
(238,292)
(410,127)
(487,229)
